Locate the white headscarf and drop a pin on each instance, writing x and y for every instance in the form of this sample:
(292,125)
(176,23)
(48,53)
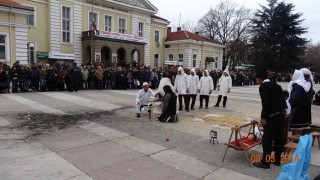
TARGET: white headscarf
(181,69)
(227,71)
(298,78)
(307,72)
(206,72)
(192,70)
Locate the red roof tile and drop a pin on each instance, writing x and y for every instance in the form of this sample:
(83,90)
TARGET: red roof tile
(10,3)
(173,36)
(157,17)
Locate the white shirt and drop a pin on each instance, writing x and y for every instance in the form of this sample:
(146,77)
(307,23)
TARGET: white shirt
(182,83)
(194,84)
(205,85)
(144,97)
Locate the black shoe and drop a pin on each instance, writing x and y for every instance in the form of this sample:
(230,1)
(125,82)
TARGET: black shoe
(192,108)
(261,165)
(180,109)
(216,105)
(224,106)
(138,115)
(206,107)
(187,110)
(200,107)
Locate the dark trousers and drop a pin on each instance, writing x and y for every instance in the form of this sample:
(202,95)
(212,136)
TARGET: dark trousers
(186,101)
(193,98)
(35,83)
(214,84)
(99,85)
(74,84)
(273,134)
(206,97)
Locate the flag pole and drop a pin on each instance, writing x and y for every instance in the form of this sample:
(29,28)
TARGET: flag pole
(92,34)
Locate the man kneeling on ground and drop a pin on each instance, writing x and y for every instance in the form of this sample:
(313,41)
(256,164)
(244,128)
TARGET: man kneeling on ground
(169,105)
(142,99)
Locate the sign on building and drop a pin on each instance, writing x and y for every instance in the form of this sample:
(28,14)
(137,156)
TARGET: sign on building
(171,63)
(114,57)
(97,57)
(56,55)
(114,35)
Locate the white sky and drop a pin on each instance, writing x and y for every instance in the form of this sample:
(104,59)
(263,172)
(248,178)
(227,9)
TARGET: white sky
(193,10)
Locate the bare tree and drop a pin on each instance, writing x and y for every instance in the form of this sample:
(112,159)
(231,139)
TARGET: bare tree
(312,57)
(228,24)
(188,26)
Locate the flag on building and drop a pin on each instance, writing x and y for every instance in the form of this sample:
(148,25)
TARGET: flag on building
(94,26)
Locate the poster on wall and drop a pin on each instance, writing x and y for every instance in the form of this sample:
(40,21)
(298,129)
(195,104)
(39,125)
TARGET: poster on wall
(97,57)
(114,57)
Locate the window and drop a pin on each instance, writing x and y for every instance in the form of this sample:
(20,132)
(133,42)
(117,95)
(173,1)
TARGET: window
(31,21)
(194,60)
(108,23)
(141,28)
(122,26)
(3,47)
(180,57)
(156,60)
(66,27)
(93,16)
(170,57)
(156,36)
(207,65)
(216,63)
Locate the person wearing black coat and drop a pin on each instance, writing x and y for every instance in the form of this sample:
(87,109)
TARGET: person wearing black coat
(74,78)
(14,79)
(23,78)
(3,80)
(272,119)
(51,79)
(34,77)
(169,108)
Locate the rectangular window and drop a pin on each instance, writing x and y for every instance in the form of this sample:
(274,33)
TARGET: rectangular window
(180,57)
(156,60)
(93,16)
(194,60)
(66,24)
(122,26)
(156,36)
(141,29)
(2,47)
(31,21)
(170,57)
(108,23)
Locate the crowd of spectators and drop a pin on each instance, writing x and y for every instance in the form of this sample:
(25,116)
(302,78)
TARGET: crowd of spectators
(69,77)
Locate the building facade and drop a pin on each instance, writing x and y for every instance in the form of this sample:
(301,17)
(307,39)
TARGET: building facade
(56,31)
(114,32)
(191,50)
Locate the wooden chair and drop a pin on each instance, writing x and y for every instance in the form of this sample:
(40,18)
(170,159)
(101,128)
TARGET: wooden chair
(290,141)
(241,147)
(314,136)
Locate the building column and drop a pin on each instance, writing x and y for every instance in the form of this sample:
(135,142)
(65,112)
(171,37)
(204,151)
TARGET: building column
(21,45)
(148,41)
(77,23)
(54,25)
(187,60)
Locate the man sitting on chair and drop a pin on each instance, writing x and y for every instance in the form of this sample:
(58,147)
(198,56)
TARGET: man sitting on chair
(142,99)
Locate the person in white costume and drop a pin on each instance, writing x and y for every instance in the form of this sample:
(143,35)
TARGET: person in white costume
(142,99)
(224,87)
(194,84)
(205,88)
(182,88)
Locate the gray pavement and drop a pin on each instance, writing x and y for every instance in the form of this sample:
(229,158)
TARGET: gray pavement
(92,135)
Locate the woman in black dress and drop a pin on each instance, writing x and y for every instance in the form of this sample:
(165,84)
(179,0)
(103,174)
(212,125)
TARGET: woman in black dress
(300,115)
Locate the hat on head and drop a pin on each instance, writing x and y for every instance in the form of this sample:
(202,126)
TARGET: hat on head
(262,73)
(180,69)
(145,84)
(192,70)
